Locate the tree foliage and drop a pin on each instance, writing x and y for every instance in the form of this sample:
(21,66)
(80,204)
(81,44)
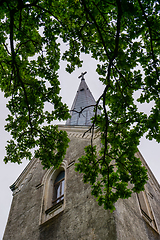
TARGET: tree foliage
(122,35)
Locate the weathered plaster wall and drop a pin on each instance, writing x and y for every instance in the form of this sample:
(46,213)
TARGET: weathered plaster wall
(23,219)
(82,218)
(130,223)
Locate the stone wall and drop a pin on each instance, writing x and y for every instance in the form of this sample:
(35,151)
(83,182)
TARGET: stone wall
(82,218)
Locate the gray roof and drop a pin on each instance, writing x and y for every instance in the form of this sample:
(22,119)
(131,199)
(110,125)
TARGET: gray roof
(83,98)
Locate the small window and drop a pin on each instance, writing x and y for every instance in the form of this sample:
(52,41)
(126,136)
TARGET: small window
(146,210)
(58,191)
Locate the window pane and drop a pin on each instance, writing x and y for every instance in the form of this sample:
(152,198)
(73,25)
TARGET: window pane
(62,188)
(60,176)
(58,186)
(58,193)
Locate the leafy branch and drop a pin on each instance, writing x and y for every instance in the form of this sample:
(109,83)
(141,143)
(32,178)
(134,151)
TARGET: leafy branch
(121,35)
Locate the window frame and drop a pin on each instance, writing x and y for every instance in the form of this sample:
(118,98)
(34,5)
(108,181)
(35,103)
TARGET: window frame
(60,182)
(48,209)
(146,209)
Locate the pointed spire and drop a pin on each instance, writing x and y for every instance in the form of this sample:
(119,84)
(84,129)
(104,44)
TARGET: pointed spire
(83,99)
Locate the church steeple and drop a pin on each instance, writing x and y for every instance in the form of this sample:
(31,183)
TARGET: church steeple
(83,99)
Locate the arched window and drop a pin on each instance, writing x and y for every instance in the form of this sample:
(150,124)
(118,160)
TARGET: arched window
(58,191)
(53,200)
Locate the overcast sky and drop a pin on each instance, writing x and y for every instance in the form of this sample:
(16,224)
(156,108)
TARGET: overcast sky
(69,84)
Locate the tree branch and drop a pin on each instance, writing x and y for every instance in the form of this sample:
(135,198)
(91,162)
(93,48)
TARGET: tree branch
(151,38)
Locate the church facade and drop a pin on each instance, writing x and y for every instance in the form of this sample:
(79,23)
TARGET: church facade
(57,205)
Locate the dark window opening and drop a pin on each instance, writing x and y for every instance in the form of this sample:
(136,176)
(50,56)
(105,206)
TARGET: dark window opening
(58,191)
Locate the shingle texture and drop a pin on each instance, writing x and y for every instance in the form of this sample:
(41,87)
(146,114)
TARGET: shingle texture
(83,99)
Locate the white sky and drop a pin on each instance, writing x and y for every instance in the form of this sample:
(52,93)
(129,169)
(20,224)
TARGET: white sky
(69,84)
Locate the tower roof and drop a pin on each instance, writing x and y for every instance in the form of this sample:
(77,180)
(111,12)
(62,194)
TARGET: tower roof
(83,100)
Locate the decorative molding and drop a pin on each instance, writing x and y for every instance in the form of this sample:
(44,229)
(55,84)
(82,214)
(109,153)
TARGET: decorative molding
(79,135)
(78,131)
(46,204)
(51,171)
(71,164)
(25,176)
(150,194)
(82,135)
(146,209)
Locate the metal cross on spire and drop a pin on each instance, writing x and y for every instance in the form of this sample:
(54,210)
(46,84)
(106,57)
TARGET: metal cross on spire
(82,75)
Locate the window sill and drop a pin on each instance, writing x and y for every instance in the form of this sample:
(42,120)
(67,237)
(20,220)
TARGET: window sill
(150,223)
(52,212)
(54,207)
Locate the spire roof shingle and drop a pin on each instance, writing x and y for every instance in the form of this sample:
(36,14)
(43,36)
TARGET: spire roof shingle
(83,99)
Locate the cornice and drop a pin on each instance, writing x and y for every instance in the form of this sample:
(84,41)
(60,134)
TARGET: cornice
(79,131)
(151,178)
(25,176)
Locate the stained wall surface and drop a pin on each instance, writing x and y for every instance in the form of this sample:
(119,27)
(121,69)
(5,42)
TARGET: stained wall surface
(81,218)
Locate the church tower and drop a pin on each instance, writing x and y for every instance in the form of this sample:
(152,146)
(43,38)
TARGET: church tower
(57,205)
